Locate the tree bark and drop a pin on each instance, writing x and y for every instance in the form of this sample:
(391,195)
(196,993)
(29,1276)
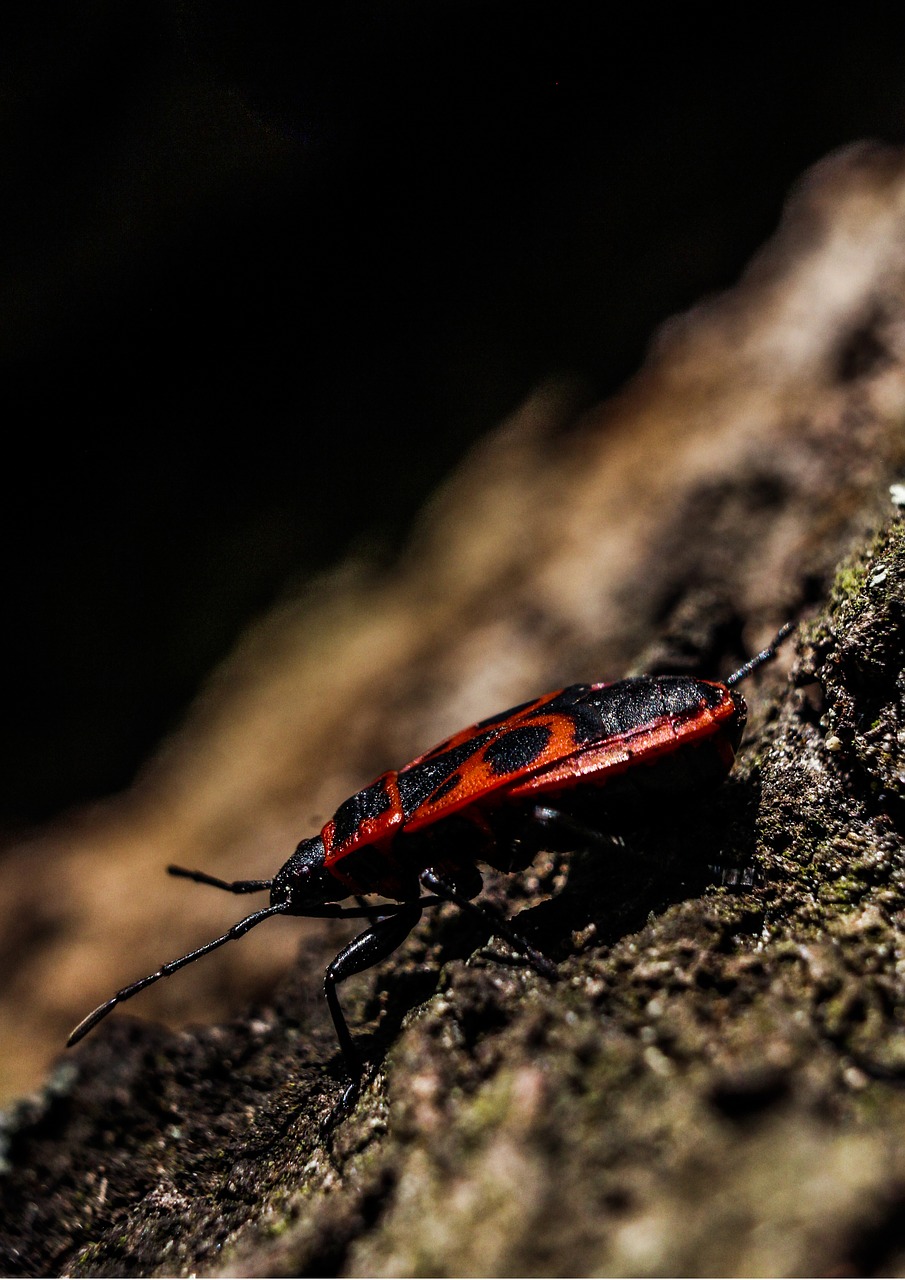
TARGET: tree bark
(714,1083)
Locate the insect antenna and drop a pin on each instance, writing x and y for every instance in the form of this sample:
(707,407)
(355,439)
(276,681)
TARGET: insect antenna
(133,989)
(759,659)
(231,886)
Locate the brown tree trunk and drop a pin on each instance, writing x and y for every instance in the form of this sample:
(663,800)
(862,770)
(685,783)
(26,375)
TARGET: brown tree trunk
(714,1085)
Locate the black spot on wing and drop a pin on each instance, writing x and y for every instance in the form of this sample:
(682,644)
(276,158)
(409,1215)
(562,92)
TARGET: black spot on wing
(421,781)
(580,704)
(445,788)
(516,749)
(368,803)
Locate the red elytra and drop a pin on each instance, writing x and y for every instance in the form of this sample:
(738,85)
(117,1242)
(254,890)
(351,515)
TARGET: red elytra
(476,797)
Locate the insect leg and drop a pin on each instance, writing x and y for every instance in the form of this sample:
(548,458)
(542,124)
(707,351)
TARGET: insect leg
(369,948)
(368,910)
(446,891)
(231,886)
(546,817)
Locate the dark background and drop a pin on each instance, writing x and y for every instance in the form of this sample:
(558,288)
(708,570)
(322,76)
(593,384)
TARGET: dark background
(269,268)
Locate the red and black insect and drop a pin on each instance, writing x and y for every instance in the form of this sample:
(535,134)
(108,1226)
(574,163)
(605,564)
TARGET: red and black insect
(494,792)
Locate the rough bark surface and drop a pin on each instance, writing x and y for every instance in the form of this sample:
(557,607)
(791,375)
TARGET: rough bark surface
(715,1083)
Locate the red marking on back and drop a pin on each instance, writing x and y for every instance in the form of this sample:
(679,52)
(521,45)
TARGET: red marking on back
(595,764)
(378,830)
(563,762)
(559,765)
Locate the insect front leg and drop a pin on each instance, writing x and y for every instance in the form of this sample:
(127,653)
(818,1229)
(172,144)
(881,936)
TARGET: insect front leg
(368,949)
